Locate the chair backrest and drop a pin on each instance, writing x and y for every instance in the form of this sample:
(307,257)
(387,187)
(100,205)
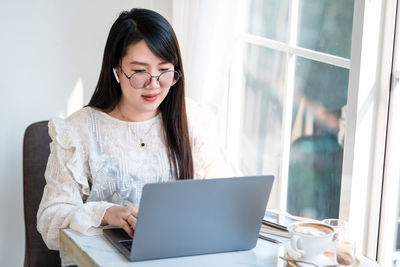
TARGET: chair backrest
(35,155)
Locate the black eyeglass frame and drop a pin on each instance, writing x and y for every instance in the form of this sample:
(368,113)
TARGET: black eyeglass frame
(151,77)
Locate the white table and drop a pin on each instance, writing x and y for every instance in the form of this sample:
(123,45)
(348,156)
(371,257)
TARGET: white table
(97,251)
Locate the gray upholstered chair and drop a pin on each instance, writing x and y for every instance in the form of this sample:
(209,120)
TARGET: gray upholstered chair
(35,154)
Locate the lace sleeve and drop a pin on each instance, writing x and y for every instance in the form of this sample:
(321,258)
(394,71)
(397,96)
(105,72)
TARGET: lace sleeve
(208,157)
(62,204)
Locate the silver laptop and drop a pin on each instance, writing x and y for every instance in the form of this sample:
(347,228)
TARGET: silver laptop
(193,217)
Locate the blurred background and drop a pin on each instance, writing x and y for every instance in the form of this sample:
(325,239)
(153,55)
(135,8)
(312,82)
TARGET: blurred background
(274,74)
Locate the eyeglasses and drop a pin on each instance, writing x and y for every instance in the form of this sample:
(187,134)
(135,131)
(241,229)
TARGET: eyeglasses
(140,80)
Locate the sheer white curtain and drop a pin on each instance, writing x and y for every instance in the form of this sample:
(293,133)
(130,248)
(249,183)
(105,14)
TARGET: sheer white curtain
(206,33)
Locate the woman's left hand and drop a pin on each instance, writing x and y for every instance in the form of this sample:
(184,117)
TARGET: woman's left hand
(121,216)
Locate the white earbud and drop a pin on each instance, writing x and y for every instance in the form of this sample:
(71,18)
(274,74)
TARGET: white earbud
(115,74)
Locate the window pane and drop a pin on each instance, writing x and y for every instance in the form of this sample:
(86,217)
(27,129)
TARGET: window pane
(269,18)
(261,129)
(316,153)
(326,26)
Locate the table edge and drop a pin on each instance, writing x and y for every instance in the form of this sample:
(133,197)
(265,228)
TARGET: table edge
(74,251)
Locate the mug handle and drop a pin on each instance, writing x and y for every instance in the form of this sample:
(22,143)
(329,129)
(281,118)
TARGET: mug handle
(294,243)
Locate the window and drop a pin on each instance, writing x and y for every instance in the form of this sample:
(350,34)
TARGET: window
(295,64)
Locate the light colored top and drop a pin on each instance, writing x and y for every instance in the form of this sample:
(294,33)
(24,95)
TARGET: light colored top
(96,161)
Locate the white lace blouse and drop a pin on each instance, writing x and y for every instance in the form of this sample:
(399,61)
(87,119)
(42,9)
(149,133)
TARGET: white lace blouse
(97,161)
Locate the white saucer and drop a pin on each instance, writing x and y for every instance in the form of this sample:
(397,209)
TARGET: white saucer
(323,259)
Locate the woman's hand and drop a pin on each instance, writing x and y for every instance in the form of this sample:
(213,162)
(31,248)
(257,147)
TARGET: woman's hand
(121,216)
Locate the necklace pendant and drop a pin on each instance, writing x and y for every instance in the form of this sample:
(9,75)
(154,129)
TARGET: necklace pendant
(142,143)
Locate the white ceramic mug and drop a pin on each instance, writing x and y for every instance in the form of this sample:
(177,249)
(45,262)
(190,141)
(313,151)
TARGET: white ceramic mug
(309,239)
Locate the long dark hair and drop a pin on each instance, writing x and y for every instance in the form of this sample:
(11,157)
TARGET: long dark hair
(129,28)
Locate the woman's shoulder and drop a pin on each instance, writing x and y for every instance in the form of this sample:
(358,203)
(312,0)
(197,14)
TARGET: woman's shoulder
(71,127)
(84,116)
(80,115)
(74,120)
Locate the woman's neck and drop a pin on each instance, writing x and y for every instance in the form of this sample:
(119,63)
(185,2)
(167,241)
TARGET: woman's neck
(126,113)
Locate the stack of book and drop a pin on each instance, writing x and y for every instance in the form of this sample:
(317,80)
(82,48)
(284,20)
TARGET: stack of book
(275,222)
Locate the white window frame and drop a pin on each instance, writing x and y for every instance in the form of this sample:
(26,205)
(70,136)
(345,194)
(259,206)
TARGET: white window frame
(367,111)
(391,182)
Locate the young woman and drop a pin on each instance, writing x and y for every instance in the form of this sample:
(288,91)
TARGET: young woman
(134,131)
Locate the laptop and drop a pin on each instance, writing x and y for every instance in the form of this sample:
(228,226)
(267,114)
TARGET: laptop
(193,217)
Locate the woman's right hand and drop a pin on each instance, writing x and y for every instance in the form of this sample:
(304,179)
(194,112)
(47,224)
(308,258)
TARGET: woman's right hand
(122,216)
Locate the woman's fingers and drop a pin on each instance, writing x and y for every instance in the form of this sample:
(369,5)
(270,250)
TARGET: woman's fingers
(131,221)
(127,228)
(133,210)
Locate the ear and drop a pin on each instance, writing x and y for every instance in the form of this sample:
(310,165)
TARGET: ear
(115,75)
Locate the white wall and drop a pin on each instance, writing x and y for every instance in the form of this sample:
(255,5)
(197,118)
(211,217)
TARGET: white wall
(50,58)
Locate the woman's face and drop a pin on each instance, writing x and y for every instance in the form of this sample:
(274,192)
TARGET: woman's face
(142,104)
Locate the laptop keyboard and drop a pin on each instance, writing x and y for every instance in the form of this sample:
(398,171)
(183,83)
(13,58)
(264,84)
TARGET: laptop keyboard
(127,244)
